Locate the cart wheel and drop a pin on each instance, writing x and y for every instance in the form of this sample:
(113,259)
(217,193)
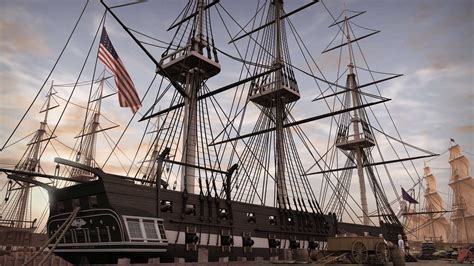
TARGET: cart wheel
(316,255)
(381,252)
(359,253)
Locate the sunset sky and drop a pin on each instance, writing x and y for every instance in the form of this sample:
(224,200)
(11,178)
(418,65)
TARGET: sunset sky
(429,41)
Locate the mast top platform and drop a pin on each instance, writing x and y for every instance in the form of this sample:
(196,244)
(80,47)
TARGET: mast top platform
(352,142)
(266,94)
(185,60)
(180,61)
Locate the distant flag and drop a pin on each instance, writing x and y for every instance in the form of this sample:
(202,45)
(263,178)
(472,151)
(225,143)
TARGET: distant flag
(407,197)
(128,96)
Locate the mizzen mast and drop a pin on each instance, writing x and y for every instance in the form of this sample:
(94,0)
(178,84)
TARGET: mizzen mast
(355,137)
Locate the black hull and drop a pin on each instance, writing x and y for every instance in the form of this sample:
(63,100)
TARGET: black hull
(79,256)
(112,208)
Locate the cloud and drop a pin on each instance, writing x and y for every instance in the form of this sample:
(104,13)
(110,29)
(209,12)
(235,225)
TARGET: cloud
(468,129)
(20,37)
(429,103)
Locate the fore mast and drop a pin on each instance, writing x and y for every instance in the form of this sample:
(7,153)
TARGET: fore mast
(354,133)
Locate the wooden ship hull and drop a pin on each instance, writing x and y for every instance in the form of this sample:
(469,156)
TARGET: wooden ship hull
(104,217)
(117,218)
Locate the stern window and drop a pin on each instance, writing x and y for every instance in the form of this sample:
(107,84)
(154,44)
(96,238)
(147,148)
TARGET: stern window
(93,201)
(162,230)
(150,230)
(60,206)
(145,229)
(134,228)
(76,203)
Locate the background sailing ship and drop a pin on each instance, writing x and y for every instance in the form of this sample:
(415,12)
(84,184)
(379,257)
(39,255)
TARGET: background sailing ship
(356,156)
(449,220)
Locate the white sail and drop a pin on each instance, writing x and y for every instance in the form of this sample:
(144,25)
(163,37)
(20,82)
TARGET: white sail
(430,223)
(462,185)
(438,227)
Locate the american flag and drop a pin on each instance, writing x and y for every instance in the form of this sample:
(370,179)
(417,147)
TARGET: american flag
(128,96)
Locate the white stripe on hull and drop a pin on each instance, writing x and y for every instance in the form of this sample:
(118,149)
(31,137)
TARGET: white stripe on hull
(206,239)
(124,243)
(259,242)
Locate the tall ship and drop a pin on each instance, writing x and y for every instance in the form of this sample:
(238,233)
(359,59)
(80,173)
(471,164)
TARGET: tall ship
(431,223)
(462,186)
(440,221)
(227,170)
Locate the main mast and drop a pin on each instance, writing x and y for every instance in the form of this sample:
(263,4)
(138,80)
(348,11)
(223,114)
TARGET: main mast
(192,86)
(275,92)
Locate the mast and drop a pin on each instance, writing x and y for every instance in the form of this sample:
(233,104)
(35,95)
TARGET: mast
(88,141)
(438,225)
(192,86)
(361,137)
(356,121)
(279,111)
(16,210)
(150,171)
(462,184)
(275,92)
(189,66)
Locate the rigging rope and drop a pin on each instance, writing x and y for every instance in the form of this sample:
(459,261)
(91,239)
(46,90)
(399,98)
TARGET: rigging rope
(61,231)
(49,75)
(381,131)
(83,83)
(74,88)
(146,128)
(129,122)
(29,135)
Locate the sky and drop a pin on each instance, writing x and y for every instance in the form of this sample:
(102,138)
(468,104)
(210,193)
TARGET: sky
(428,41)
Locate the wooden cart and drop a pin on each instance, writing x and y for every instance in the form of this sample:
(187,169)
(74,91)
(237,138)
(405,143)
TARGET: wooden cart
(360,248)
